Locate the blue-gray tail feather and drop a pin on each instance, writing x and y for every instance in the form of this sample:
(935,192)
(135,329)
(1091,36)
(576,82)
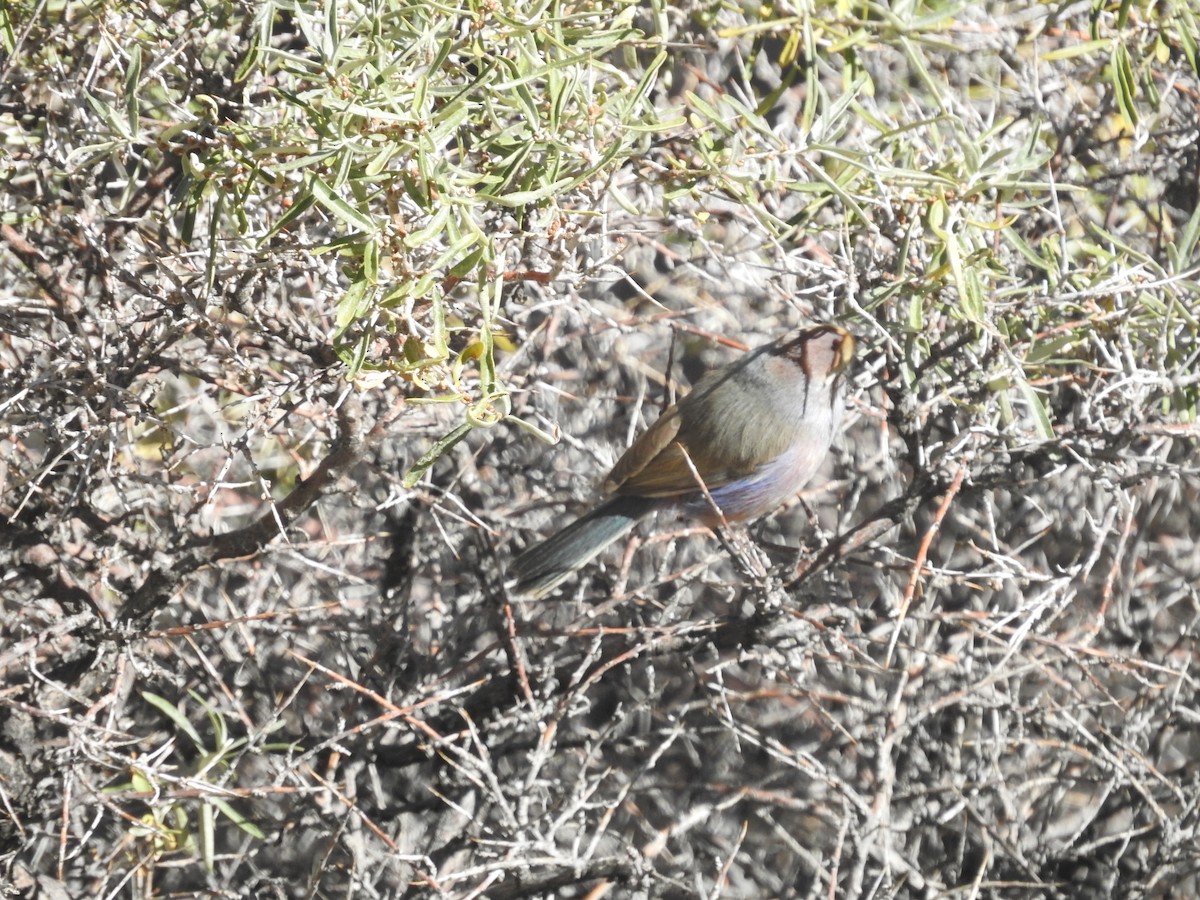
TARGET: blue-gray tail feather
(544,566)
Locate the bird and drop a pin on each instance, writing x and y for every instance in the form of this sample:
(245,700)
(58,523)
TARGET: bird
(745,439)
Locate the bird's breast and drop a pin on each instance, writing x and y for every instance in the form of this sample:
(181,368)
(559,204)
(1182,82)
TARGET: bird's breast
(765,489)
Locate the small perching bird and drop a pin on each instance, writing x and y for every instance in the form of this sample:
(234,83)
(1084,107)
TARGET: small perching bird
(746,439)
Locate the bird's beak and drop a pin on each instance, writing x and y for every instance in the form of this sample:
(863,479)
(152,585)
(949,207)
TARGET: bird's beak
(845,350)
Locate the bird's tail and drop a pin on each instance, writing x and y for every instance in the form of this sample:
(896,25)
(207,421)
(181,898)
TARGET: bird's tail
(544,566)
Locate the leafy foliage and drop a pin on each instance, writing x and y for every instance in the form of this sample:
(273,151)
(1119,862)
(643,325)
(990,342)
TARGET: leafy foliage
(297,294)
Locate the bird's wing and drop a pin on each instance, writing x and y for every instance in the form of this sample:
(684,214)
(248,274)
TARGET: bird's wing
(660,464)
(649,444)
